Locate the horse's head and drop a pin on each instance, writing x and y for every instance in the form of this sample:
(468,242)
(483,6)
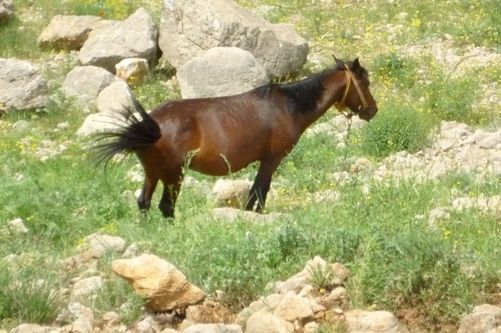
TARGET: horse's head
(357,96)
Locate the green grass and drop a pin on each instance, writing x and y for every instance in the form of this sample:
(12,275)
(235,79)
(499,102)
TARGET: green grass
(381,235)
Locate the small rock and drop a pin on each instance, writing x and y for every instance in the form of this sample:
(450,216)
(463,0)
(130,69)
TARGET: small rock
(97,245)
(132,70)
(213,328)
(147,325)
(17,226)
(86,287)
(111,318)
(231,193)
(311,327)
(376,321)
(294,307)
(23,87)
(30,328)
(6,9)
(266,322)
(164,286)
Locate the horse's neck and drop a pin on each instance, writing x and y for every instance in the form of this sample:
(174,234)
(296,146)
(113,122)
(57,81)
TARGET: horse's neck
(333,88)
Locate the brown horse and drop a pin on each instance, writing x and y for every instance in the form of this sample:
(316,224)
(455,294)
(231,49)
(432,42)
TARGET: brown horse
(217,136)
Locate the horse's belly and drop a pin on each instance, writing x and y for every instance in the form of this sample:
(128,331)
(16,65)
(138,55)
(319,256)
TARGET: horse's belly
(219,165)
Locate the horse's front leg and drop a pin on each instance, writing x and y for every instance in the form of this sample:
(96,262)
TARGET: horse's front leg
(144,199)
(172,185)
(262,184)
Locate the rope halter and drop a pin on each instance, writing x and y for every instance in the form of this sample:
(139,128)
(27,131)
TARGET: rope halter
(341,105)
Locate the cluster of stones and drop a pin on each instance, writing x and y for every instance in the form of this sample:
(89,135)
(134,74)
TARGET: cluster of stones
(174,305)
(217,48)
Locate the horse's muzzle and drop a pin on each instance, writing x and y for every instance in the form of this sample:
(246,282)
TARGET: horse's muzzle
(368,113)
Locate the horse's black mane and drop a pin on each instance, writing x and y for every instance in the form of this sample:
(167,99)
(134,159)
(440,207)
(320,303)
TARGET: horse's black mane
(303,95)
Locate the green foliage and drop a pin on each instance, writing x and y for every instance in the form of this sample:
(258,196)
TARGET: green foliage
(320,277)
(453,99)
(396,68)
(396,128)
(28,294)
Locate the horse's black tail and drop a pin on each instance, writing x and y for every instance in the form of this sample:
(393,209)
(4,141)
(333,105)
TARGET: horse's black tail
(132,133)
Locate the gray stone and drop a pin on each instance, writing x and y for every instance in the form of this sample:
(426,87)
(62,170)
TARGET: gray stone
(373,321)
(84,83)
(17,226)
(21,85)
(266,322)
(213,328)
(231,193)
(6,9)
(221,71)
(68,32)
(293,307)
(86,287)
(97,245)
(30,328)
(135,37)
(115,98)
(190,27)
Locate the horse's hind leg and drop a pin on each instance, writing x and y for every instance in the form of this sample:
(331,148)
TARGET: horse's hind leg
(144,199)
(172,185)
(261,186)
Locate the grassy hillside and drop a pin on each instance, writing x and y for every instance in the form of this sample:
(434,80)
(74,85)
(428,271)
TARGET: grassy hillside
(398,263)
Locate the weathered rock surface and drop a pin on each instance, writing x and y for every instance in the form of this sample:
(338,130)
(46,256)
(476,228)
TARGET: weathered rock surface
(484,319)
(30,328)
(231,193)
(134,37)
(266,322)
(17,226)
(213,328)
(21,85)
(112,102)
(84,83)
(86,287)
(221,71)
(457,147)
(160,282)
(132,70)
(6,9)
(190,27)
(68,32)
(373,322)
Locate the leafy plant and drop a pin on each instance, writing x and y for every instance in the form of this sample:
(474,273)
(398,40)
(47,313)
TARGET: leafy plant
(396,128)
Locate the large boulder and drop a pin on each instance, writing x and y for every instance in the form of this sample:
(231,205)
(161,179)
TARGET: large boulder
(84,83)
(134,37)
(160,282)
(188,28)
(221,71)
(22,85)
(68,32)
(6,9)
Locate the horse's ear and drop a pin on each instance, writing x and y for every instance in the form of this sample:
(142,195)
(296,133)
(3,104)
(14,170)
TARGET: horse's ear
(338,62)
(356,64)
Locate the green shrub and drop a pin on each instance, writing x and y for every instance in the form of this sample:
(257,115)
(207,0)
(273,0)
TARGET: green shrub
(392,66)
(453,99)
(397,128)
(24,297)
